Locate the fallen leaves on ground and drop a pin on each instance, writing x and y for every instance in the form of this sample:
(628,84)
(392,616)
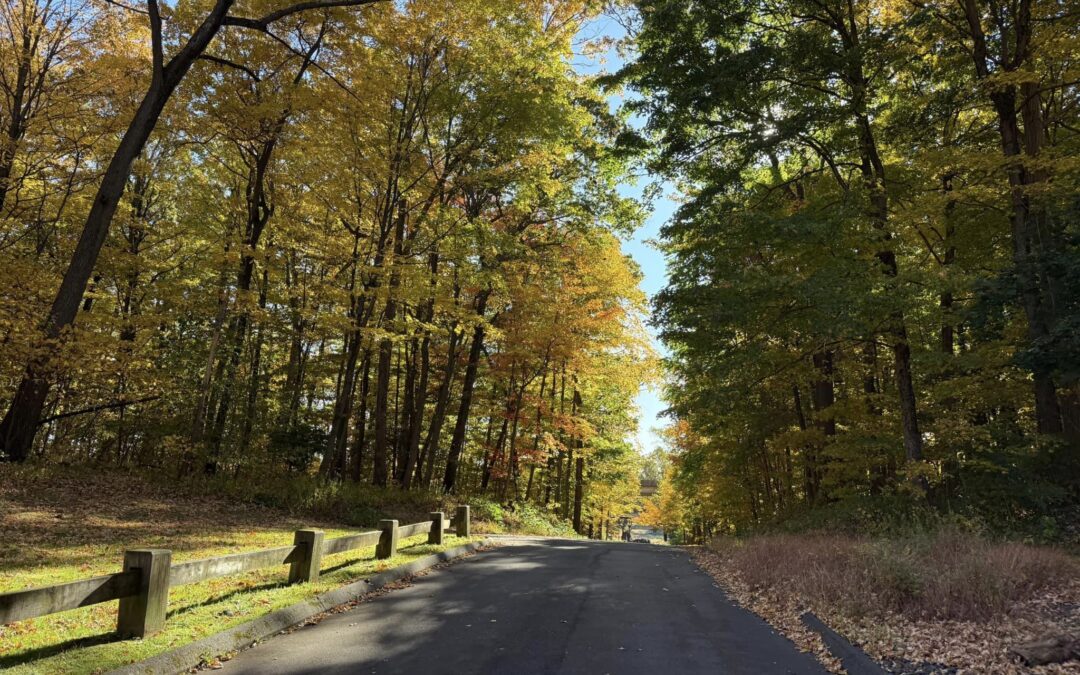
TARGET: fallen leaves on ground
(905,646)
(780,611)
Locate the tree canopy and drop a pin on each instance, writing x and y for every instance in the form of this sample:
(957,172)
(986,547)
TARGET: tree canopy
(874,287)
(379,241)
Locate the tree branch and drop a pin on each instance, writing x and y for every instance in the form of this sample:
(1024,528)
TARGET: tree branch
(155,39)
(231,64)
(127,7)
(263,24)
(98,408)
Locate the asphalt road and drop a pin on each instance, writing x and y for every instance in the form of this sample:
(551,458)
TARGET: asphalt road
(542,606)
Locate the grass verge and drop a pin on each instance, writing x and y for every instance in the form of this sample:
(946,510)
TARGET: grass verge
(59,526)
(943,602)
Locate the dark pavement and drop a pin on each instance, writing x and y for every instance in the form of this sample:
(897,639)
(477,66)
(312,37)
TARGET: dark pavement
(542,606)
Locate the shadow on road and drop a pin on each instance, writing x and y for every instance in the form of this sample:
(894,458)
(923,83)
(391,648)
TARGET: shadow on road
(544,606)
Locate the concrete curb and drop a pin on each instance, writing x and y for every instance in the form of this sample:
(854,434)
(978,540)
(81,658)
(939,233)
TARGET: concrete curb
(240,637)
(854,660)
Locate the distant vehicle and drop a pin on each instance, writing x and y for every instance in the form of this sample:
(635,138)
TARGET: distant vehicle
(641,541)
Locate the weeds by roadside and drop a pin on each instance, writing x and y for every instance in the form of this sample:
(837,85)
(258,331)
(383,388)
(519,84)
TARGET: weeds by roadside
(945,602)
(948,575)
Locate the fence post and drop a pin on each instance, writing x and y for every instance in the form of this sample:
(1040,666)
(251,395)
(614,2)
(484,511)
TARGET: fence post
(461,521)
(436,534)
(143,614)
(388,541)
(307,567)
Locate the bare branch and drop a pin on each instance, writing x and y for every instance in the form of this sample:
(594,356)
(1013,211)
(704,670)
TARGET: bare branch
(98,408)
(155,39)
(263,23)
(313,64)
(129,8)
(231,64)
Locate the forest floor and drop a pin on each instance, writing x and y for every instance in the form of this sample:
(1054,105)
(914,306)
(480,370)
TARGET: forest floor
(946,604)
(63,525)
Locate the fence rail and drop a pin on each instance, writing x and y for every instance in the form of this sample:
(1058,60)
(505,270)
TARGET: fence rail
(62,597)
(414,529)
(350,542)
(195,571)
(143,586)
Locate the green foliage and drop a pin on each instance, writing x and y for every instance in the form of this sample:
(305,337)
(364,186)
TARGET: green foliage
(523,518)
(872,306)
(393,262)
(892,516)
(297,447)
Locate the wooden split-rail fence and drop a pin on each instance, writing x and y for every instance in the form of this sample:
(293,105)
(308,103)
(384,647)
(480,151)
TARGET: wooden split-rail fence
(143,586)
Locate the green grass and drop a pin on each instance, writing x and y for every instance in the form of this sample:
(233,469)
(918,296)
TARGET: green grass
(59,526)
(82,641)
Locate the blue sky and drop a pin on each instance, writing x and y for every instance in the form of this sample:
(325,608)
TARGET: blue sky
(652,263)
(655,277)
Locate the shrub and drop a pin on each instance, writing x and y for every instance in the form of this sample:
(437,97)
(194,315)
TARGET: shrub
(524,518)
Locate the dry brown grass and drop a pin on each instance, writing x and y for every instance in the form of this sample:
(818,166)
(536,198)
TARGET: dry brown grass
(943,603)
(950,575)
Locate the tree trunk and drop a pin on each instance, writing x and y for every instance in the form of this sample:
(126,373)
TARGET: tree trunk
(874,173)
(380,473)
(333,465)
(823,396)
(492,458)
(575,402)
(529,484)
(17,122)
(19,425)
(872,169)
(413,461)
(579,492)
(510,482)
(360,437)
(416,418)
(457,443)
(901,348)
(290,403)
(253,377)
(203,404)
(948,331)
(411,351)
(259,211)
(438,415)
(1028,238)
